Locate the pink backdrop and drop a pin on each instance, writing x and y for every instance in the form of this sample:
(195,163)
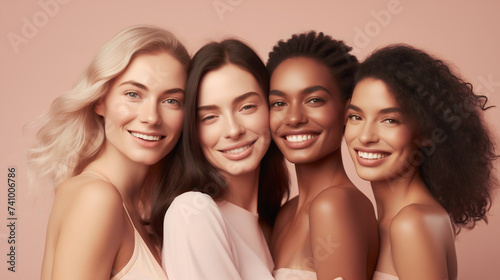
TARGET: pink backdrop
(45,44)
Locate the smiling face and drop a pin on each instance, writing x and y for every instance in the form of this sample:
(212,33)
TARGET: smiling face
(381,140)
(307,111)
(233,119)
(143,109)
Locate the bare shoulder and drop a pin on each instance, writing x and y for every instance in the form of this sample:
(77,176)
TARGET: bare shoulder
(422,242)
(286,213)
(424,221)
(345,200)
(87,198)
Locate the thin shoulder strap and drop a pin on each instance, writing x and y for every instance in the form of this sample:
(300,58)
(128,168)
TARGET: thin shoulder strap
(128,215)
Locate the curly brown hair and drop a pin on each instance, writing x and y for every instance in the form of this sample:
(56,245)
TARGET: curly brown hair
(458,169)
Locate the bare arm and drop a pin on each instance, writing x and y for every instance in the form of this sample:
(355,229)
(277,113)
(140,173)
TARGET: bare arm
(418,237)
(339,232)
(89,232)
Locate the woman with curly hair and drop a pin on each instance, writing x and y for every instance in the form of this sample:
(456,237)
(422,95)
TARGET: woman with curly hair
(415,131)
(234,178)
(99,143)
(329,230)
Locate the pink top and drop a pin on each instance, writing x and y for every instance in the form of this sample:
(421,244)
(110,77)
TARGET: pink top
(383,276)
(294,274)
(142,264)
(207,240)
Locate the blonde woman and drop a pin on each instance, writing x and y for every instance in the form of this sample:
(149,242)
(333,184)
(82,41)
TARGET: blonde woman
(98,143)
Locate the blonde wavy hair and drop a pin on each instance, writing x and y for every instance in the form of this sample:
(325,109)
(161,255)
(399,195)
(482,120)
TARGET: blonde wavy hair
(72,134)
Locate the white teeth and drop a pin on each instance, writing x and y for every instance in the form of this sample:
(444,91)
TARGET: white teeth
(300,138)
(146,137)
(239,150)
(372,155)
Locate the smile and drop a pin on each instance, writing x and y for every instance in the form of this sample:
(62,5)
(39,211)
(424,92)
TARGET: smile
(238,150)
(300,138)
(146,137)
(372,155)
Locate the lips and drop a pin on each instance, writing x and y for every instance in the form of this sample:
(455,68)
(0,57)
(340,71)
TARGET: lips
(238,151)
(147,137)
(300,137)
(371,158)
(369,155)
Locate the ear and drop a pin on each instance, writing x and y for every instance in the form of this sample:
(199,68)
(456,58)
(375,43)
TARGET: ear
(99,108)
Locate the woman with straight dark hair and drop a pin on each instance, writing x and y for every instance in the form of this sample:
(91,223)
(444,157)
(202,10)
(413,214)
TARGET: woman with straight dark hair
(415,131)
(233,178)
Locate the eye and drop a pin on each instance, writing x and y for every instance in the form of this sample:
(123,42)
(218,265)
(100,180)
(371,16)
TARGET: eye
(248,107)
(132,94)
(315,101)
(277,104)
(353,117)
(172,101)
(391,121)
(208,118)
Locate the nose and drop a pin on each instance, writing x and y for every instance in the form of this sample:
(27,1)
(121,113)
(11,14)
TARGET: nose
(295,115)
(369,134)
(149,113)
(233,128)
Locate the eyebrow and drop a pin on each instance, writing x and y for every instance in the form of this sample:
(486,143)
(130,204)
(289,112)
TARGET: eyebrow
(142,86)
(304,91)
(236,100)
(383,111)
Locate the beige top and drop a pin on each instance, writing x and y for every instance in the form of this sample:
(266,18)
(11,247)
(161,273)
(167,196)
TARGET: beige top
(294,274)
(383,276)
(207,240)
(142,264)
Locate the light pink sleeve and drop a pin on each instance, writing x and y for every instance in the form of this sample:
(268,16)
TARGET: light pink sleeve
(196,244)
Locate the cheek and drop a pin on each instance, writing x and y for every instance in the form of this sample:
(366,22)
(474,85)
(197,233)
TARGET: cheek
(402,139)
(209,135)
(173,120)
(259,123)
(118,114)
(328,118)
(275,120)
(349,134)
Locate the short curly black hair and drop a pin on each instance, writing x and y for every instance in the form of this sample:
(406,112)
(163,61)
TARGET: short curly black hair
(457,165)
(330,52)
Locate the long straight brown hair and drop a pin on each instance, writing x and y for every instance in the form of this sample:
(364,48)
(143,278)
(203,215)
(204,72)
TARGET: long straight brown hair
(192,171)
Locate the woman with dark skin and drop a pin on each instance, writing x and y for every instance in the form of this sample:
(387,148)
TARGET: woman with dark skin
(415,131)
(329,230)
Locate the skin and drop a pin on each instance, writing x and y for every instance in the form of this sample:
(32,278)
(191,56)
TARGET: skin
(416,234)
(234,130)
(89,235)
(305,100)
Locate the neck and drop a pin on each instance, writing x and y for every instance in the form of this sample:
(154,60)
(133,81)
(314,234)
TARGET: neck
(392,195)
(314,177)
(243,190)
(127,176)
